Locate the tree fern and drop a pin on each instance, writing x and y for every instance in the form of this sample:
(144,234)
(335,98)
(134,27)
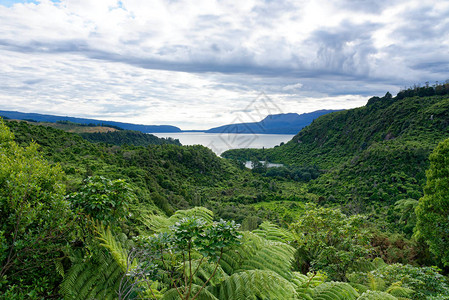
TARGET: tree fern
(99,276)
(399,291)
(364,265)
(376,295)
(272,232)
(205,270)
(161,223)
(115,247)
(254,284)
(204,294)
(95,278)
(335,291)
(379,263)
(259,253)
(372,282)
(304,284)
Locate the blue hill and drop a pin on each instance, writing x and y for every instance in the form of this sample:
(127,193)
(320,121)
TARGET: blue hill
(290,123)
(54,119)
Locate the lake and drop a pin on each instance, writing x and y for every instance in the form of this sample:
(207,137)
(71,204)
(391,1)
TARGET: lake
(220,142)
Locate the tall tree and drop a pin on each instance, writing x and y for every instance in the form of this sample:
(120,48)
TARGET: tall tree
(433,208)
(34,219)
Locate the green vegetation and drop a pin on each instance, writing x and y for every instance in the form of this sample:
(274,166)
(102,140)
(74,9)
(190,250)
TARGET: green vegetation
(118,219)
(192,242)
(129,137)
(76,127)
(31,237)
(109,134)
(433,209)
(370,158)
(164,178)
(103,199)
(328,240)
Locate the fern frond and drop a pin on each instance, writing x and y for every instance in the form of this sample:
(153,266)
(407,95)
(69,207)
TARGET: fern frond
(103,279)
(254,284)
(172,294)
(59,268)
(257,253)
(375,283)
(379,263)
(272,232)
(361,288)
(399,291)
(335,291)
(272,258)
(304,284)
(198,212)
(206,270)
(376,295)
(71,276)
(162,224)
(204,294)
(116,249)
(363,265)
(99,276)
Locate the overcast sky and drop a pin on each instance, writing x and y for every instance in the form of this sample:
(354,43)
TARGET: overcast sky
(203,63)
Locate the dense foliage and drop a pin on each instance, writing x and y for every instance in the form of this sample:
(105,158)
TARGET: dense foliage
(433,209)
(369,157)
(191,241)
(103,199)
(130,137)
(163,177)
(329,241)
(423,91)
(35,220)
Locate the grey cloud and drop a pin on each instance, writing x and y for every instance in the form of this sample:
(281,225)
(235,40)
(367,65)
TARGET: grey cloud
(45,47)
(32,81)
(424,23)
(123,109)
(368,6)
(433,67)
(345,49)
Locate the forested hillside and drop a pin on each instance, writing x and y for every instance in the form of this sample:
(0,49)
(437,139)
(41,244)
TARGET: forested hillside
(170,176)
(127,137)
(370,157)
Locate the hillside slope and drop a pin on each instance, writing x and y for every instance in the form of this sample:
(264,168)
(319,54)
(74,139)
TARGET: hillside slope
(165,177)
(104,134)
(378,152)
(127,137)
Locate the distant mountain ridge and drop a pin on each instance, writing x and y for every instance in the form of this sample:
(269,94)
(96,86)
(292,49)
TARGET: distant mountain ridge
(289,123)
(53,119)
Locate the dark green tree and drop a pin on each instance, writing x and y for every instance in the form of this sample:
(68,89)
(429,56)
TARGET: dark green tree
(178,255)
(433,208)
(35,220)
(103,199)
(328,240)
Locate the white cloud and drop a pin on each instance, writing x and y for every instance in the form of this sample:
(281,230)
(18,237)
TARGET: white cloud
(174,62)
(292,87)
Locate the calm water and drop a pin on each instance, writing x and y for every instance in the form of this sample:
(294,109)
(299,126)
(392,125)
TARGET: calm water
(220,142)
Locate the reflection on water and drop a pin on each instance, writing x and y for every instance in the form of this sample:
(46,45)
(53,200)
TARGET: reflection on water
(220,142)
(249,164)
